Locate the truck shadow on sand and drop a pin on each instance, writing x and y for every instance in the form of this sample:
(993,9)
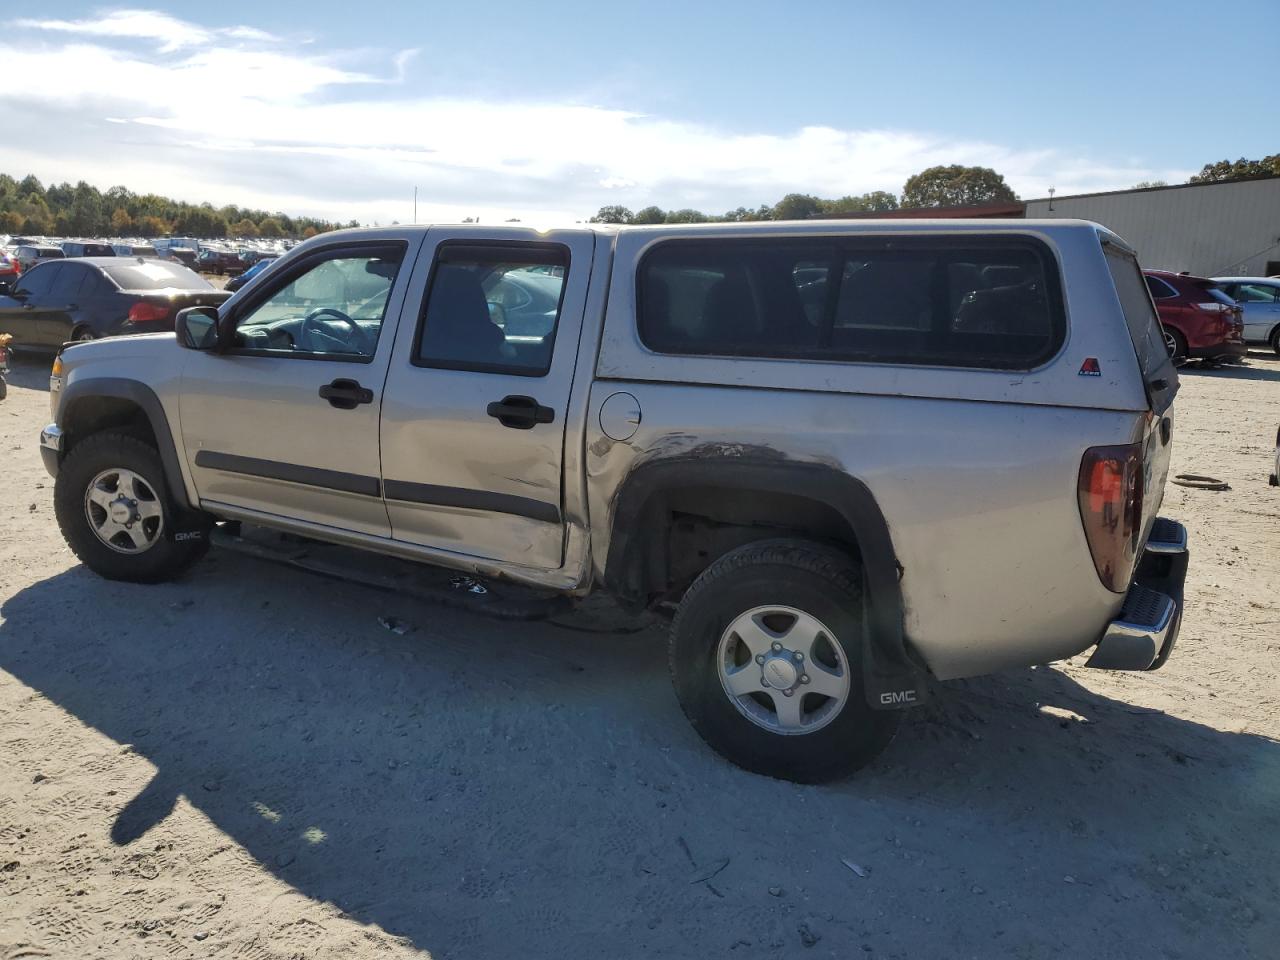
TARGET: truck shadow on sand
(489,789)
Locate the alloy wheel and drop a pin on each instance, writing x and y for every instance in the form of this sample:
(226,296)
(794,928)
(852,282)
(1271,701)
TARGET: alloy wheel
(783,670)
(124,511)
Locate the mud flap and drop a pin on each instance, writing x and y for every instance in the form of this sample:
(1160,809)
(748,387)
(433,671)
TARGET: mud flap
(892,678)
(190,526)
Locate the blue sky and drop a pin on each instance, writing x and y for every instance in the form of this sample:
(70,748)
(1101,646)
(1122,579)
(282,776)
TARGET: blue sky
(547,111)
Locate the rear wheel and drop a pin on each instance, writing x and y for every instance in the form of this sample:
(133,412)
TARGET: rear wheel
(115,511)
(1176,344)
(1275,341)
(82,334)
(765,657)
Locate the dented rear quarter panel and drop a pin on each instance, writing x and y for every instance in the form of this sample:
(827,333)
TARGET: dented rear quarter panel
(975,471)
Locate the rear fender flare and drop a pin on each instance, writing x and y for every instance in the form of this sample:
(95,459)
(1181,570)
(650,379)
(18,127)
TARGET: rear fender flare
(894,677)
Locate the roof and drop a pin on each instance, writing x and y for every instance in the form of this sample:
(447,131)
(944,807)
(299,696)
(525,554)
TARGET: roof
(1169,186)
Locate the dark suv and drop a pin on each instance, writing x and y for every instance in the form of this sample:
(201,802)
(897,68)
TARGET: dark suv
(1200,321)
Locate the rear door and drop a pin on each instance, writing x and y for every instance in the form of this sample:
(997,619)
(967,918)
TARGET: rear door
(63,303)
(473,417)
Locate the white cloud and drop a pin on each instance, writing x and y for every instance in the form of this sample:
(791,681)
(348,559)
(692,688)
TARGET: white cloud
(170,32)
(295,130)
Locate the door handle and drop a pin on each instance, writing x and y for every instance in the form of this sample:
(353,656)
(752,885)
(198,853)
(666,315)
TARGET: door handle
(345,394)
(520,413)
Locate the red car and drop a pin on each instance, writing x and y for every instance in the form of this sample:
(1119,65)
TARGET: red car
(1200,321)
(9,270)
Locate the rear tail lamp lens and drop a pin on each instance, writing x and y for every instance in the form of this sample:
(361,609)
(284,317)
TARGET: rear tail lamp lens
(1213,306)
(144,312)
(1110,496)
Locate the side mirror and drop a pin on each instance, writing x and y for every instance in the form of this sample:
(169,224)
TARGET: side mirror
(197,328)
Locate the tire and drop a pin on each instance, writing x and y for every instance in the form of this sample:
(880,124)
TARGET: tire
(144,553)
(1275,341)
(82,335)
(1176,344)
(775,580)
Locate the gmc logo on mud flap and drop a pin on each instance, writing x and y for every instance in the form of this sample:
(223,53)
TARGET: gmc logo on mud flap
(188,535)
(895,697)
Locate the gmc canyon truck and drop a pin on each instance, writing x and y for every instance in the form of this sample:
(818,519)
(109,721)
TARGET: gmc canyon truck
(855,456)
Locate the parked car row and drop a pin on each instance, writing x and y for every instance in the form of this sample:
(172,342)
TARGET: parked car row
(91,297)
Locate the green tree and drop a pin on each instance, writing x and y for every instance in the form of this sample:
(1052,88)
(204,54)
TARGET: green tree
(613,214)
(1148,184)
(956,186)
(796,206)
(649,215)
(202,221)
(30,185)
(10,221)
(271,228)
(242,228)
(686,216)
(874,202)
(1226,170)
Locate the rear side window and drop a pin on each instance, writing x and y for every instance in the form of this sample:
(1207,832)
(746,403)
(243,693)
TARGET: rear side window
(992,303)
(493,308)
(1159,289)
(1257,293)
(155,275)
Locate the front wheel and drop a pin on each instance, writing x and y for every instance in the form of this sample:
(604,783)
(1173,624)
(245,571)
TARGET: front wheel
(1176,344)
(116,513)
(766,659)
(1275,341)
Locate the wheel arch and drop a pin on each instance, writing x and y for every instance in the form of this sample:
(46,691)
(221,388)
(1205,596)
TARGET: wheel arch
(95,404)
(809,500)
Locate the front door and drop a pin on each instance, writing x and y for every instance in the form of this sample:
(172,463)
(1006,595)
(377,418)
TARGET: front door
(284,423)
(28,301)
(473,419)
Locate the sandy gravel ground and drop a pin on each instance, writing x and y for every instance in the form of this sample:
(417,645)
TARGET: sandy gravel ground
(247,765)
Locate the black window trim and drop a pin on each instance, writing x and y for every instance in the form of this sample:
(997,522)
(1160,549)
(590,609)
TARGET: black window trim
(494,248)
(227,322)
(847,244)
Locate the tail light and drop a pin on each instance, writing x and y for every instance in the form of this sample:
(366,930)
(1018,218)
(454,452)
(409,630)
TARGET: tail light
(1214,306)
(1110,496)
(143,312)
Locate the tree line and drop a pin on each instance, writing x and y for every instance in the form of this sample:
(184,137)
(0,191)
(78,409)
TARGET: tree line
(941,186)
(27,206)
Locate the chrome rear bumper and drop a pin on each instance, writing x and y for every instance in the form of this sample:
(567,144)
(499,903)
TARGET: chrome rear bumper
(1143,635)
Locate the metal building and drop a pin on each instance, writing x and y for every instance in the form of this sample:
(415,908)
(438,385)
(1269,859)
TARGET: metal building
(1207,229)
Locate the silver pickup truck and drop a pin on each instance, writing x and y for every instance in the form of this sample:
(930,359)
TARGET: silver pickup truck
(853,456)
